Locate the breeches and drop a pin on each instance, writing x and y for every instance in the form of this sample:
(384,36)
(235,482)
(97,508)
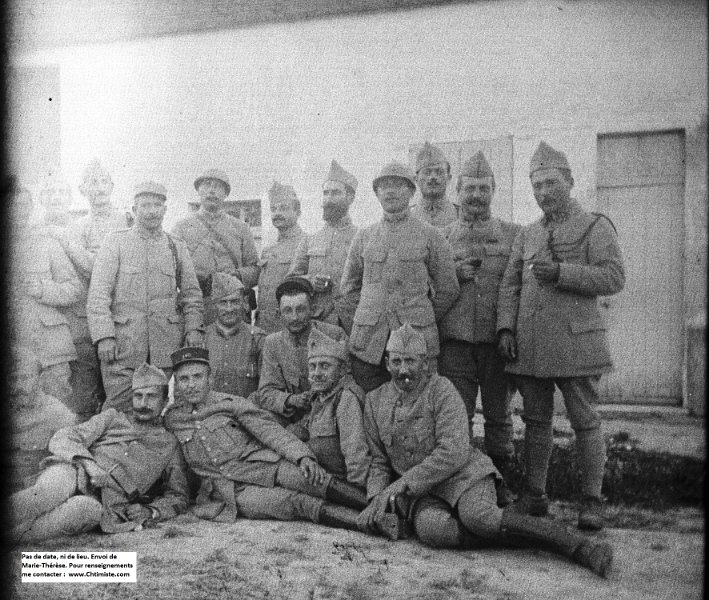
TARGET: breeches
(51,507)
(54,380)
(256,502)
(479,366)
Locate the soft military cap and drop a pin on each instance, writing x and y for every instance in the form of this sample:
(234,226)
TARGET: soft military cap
(337,173)
(321,344)
(189,354)
(94,169)
(224,285)
(217,174)
(281,192)
(148,376)
(294,283)
(406,340)
(150,187)
(546,157)
(395,169)
(476,166)
(429,156)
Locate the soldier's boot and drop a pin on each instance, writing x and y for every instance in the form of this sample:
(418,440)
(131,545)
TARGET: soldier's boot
(522,531)
(438,527)
(339,517)
(346,494)
(591,453)
(505,465)
(394,524)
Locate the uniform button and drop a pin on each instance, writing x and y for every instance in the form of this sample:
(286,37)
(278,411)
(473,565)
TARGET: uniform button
(209,449)
(214,460)
(204,437)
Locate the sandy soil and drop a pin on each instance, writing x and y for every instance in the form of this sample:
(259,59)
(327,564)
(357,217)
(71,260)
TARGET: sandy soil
(184,558)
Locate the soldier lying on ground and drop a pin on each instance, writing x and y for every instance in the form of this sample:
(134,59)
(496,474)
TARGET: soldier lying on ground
(424,468)
(117,471)
(252,466)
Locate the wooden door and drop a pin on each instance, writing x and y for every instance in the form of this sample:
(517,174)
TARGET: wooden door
(641,188)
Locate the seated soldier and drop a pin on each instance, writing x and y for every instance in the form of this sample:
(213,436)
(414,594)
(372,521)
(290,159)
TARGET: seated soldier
(34,418)
(424,468)
(334,424)
(252,466)
(284,388)
(117,471)
(234,346)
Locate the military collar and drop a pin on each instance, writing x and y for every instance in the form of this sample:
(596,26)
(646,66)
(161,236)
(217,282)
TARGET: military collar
(209,217)
(290,233)
(300,339)
(227,332)
(148,235)
(102,213)
(344,222)
(560,216)
(323,398)
(396,217)
(438,205)
(409,398)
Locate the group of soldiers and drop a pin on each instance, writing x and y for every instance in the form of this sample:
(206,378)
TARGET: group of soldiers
(350,400)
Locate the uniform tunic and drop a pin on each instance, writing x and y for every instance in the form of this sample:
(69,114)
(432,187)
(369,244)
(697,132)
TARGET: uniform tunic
(245,447)
(284,367)
(30,432)
(336,432)
(397,271)
(210,256)
(145,456)
(558,326)
(275,262)
(422,437)
(473,317)
(324,253)
(439,215)
(235,358)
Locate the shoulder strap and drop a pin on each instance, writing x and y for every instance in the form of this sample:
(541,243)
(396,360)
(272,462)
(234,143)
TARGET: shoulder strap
(178,269)
(606,217)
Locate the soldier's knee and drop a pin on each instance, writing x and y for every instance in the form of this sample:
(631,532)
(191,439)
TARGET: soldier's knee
(436,526)
(81,514)
(56,484)
(478,509)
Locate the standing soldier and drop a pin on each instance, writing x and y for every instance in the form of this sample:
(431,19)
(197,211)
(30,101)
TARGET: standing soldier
(321,256)
(433,174)
(144,299)
(469,358)
(276,259)
(400,269)
(234,346)
(43,282)
(218,242)
(81,241)
(551,331)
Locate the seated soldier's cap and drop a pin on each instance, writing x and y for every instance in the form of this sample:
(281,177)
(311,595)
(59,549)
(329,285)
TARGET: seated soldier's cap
(279,191)
(224,285)
(546,157)
(189,354)
(321,344)
(148,376)
(294,283)
(476,166)
(217,174)
(395,169)
(406,340)
(150,187)
(337,173)
(429,156)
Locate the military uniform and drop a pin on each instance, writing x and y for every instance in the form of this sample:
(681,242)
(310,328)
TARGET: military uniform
(30,431)
(145,297)
(219,244)
(439,215)
(336,434)
(284,368)
(275,263)
(561,337)
(38,323)
(398,270)
(235,357)
(64,501)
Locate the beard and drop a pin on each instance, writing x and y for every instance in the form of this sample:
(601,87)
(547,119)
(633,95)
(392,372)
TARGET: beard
(332,212)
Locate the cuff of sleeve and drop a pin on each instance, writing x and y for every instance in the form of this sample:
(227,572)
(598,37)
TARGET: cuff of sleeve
(102,331)
(568,275)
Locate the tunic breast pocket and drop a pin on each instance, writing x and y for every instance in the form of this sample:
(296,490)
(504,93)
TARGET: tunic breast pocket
(221,439)
(496,258)
(131,280)
(374,261)
(317,261)
(421,436)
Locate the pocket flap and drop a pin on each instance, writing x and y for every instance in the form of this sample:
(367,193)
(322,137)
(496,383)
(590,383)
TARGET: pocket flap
(216,422)
(121,319)
(374,255)
(594,324)
(50,318)
(529,253)
(496,250)
(174,318)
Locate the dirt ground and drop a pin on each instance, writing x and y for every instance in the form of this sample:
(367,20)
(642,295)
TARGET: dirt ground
(657,555)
